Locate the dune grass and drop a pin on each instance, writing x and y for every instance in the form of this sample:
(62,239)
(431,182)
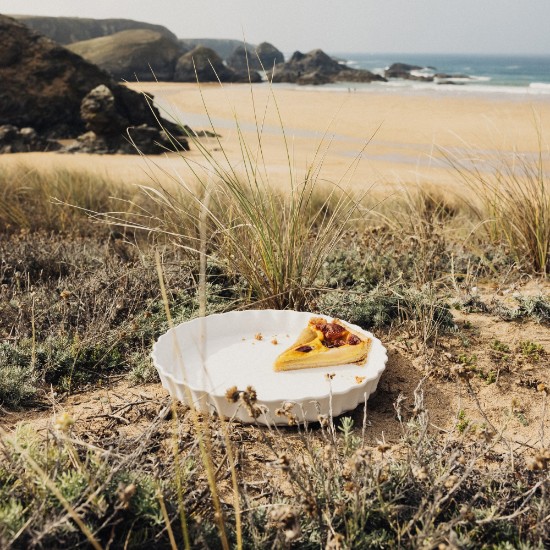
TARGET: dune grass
(511,200)
(275,240)
(30,198)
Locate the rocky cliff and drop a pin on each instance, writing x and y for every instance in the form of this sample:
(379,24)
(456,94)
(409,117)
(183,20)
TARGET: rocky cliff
(43,85)
(66,30)
(269,55)
(139,54)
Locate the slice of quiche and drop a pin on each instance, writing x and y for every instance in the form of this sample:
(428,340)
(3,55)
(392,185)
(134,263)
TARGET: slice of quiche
(324,344)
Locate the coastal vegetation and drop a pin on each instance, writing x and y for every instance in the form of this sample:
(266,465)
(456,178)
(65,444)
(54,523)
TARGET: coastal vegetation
(82,304)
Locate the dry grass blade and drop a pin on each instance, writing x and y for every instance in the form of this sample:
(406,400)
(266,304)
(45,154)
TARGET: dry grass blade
(203,434)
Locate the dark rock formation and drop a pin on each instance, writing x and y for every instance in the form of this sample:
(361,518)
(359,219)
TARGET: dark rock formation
(99,113)
(269,55)
(444,78)
(23,140)
(307,67)
(43,85)
(243,58)
(110,132)
(400,70)
(316,67)
(66,30)
(205,65)
(403,70)
(139,54)
(258,59)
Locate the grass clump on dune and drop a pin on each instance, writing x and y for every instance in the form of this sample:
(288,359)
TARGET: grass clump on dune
(274,240)
(512,203)
(29,198)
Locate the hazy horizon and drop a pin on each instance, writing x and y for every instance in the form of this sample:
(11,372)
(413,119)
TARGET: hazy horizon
(495,27)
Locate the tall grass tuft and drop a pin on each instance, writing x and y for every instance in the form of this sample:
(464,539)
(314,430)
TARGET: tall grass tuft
(513,204)
(274,240)
(32,199)
(423,219)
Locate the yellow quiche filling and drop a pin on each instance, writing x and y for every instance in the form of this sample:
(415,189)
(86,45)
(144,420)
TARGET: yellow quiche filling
(324,344)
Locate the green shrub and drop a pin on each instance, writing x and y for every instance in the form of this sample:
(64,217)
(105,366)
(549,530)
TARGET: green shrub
(384,305)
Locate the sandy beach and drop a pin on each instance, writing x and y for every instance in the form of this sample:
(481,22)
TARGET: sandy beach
(401,137)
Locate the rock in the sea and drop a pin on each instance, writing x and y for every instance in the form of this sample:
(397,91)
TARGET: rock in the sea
(138,54)
(405,71)
(23,140)
(66,30)
(43,85)
(316,67)
(205,65)
(400,70)
(261,58)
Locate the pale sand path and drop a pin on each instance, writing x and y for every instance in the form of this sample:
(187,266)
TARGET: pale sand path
(408,131)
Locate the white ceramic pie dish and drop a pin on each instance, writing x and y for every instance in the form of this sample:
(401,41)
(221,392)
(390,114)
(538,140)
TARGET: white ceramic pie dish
(203,358)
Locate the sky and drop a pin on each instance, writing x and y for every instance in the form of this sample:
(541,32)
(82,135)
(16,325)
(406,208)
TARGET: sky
(415,26)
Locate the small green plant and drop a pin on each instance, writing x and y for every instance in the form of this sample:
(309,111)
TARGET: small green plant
(12,518)
(18,382)
(521,418)
(470,362)
(144,371)
(518,412)
(531,350)
(500,353)
(350,440)
(529,307)
(536,307)
(501,347)
(467,360)
(491,376)
(462,423)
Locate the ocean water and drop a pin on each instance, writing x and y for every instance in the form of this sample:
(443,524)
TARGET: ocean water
(487,73)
